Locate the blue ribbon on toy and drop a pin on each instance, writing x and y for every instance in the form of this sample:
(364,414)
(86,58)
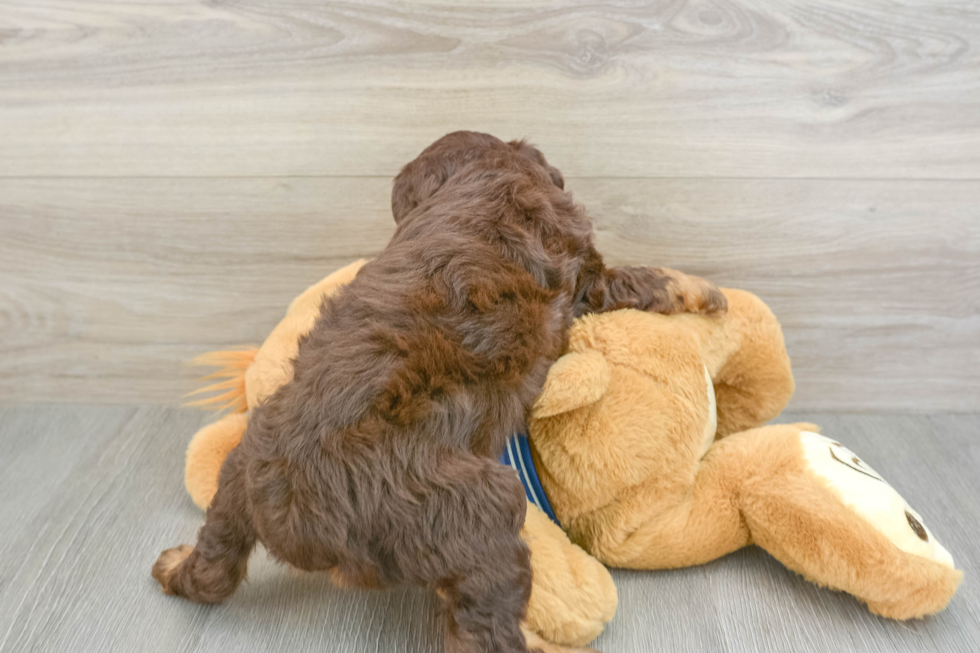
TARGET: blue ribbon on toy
(517,456)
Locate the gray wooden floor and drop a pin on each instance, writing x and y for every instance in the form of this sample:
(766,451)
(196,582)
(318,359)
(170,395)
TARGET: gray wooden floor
(172,174)
(90,494)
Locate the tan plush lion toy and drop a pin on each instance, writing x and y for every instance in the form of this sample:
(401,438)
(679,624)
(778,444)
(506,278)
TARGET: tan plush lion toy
(640,442)
(638,447)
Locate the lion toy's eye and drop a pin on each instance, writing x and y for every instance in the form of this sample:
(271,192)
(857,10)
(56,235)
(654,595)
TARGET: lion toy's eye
(861,489)
(917,528)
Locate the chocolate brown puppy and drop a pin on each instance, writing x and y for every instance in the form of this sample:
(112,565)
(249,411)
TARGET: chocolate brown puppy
(377,462)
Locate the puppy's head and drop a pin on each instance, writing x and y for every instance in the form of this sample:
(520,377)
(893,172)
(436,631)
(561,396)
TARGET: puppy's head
(423,177)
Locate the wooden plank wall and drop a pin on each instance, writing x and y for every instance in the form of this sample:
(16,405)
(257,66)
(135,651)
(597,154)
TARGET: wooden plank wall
(173,173)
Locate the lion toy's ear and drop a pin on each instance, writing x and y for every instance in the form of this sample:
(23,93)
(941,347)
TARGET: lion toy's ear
(576,379)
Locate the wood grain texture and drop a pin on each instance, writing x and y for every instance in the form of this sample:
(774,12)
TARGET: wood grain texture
(75,573)
(758,88)
(107,287)
(173,173)
(96,492)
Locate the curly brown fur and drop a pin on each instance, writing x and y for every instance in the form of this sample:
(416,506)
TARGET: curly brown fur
(377,461)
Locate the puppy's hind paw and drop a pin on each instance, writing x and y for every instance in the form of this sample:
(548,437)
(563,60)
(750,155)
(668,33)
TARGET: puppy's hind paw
(167,564)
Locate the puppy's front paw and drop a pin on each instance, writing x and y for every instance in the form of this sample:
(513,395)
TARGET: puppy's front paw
(167,564)
(712,301)
(696,295)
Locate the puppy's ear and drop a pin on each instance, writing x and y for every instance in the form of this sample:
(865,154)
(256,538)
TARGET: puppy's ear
(556,177)
(575,380)
(417,182)
(424,176)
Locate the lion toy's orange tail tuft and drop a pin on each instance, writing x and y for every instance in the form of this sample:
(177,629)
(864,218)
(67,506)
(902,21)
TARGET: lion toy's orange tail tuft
(230,377)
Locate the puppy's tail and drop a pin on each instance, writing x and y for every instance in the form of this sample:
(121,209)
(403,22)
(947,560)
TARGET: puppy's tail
(230,378)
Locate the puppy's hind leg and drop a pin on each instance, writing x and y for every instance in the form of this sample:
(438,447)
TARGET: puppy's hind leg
(212,570)
(482,606)
(473,555)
